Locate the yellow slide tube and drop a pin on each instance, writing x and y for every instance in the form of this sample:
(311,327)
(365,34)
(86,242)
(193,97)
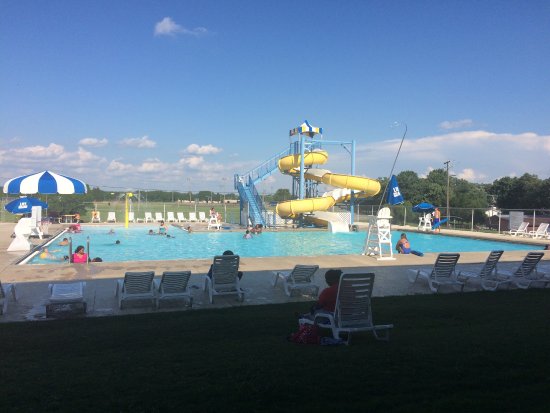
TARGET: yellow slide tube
(288,163)
(291,164)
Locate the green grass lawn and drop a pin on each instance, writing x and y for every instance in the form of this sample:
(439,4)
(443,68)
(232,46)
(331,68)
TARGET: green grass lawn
(448,353)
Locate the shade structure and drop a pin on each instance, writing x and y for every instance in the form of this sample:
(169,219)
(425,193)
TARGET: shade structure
(306,129)
(423,207)
(45,182)
(24,205)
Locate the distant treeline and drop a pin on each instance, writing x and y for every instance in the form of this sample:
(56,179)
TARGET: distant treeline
(525,192)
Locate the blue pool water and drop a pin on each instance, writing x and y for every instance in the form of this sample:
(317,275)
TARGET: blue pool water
(136,245)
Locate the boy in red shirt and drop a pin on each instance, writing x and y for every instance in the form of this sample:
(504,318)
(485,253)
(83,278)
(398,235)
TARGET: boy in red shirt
(327,298)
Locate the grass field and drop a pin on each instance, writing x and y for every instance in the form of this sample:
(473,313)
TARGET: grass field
(475,352)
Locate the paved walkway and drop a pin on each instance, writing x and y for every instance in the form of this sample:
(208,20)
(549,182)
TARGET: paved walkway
(391,276)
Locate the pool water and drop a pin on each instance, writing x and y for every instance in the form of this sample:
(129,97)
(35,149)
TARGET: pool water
(137,245)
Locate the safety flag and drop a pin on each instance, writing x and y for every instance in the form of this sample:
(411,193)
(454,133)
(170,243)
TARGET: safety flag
(394,194)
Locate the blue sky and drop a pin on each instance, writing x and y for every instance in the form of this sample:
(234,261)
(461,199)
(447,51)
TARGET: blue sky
(181,95)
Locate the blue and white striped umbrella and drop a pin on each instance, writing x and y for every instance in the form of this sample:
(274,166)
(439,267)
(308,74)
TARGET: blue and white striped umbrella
(45,182)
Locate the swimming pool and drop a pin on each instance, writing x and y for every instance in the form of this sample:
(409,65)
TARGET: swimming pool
(137,245)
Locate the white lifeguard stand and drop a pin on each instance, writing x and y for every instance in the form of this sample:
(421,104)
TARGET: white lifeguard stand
(378,240)
(25,228)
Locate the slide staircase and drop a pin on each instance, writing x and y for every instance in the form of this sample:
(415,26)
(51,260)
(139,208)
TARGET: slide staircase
(246,186)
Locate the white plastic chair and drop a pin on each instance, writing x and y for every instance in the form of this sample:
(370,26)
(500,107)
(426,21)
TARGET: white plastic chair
(540,232)
(527,275)
(131,217)
(136,286)
(353,310)
(170,217)
(192,217)
(486,272)
(521,230)
(180,216)
(213,223)
(442,273)
(66,297)
(96,217)
(202,216)
(148,217)
(225,278)
(174,285)
(300,278)
(111,217)
(158,217)
(425,222)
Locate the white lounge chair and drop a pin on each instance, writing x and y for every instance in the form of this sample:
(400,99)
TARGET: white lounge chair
(148,217)
(521,230)
(158,217)
(540,232)
(202,216)
(300,278)
(225,279)
(173,285)
(5,291)
(425,222)
(213,223)
(527,275)
(180,217)
(353,310)
(170,217)
(192,217)
(489,269)
(442,273)
(96,217)
(131,217)
(111,217)
(136,286)
(66,298)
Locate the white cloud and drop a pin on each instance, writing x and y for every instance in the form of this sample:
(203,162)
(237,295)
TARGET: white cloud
(153,166)
(193,162)
(168,27)
(456,124)
(143,142)
(470,175)
(479,156)
(202,150)
(94,142)
(118,167)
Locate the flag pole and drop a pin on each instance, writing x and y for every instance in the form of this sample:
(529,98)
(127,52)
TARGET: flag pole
(393,166)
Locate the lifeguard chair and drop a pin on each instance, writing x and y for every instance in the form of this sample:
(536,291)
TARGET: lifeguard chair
(378,240)
(425,222)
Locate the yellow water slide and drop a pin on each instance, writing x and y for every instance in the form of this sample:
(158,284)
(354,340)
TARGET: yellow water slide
(291,165)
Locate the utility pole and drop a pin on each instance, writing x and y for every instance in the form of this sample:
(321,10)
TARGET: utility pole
(448,212)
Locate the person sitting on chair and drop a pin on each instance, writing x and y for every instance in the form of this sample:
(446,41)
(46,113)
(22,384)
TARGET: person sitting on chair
(228,252)
(403,245)
(327,299)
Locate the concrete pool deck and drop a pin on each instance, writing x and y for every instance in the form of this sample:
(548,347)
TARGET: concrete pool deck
(391,275)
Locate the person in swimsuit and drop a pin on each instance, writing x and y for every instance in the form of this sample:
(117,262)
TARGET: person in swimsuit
(437,218)
(403,246)
(79,256)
